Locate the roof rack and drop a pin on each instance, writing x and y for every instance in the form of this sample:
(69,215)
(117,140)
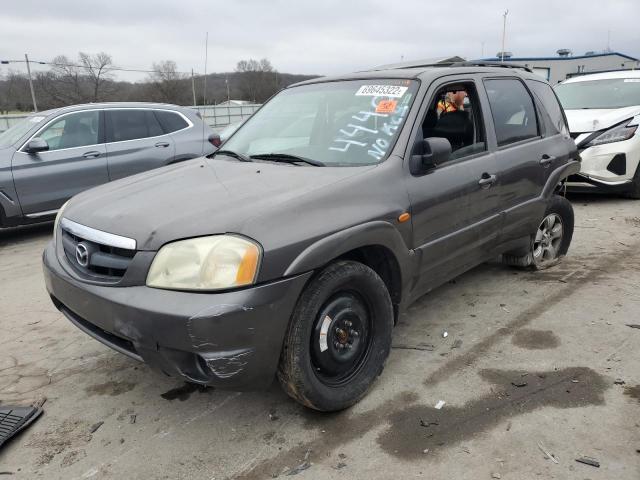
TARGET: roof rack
(473,63)
(470,63)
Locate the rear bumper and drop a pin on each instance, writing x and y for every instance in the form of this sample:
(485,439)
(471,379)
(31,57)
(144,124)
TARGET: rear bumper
(228,340)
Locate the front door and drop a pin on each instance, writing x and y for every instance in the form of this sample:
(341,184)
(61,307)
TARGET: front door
(455,211)
(76,160)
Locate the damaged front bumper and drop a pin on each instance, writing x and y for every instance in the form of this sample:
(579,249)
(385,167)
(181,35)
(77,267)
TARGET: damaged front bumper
(228,340)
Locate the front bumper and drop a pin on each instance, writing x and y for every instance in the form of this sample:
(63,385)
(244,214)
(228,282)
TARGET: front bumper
(581,183)
(610,167)
(228,340)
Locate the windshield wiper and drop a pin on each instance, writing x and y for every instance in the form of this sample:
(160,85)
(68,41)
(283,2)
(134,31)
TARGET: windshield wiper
(287,158)
(231,153)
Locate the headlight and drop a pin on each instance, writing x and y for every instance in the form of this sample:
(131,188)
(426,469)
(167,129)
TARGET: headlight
(617,133)
(206,263)
(57,220)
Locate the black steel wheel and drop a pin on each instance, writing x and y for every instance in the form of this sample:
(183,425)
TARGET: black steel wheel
(338,339)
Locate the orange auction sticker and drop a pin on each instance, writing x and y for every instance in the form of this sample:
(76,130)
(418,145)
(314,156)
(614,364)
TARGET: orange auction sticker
(386,106)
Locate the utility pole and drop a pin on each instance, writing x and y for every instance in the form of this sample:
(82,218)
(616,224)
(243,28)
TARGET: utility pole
(206,59)
(504,33)
(226,80)
(33,94)
(193,88)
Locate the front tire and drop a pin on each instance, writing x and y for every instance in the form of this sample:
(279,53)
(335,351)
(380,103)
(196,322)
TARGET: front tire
(551,240)
(338,339)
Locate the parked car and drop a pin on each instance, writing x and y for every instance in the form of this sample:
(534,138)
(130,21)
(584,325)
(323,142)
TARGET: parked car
(297,258)
(50,156)
(603,111)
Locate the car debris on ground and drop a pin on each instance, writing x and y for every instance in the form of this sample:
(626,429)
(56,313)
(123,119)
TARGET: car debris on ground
(589,461)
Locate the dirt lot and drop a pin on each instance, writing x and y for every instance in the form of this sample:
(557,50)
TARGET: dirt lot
(532,362)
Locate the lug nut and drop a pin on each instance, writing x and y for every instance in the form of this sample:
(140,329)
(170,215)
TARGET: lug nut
(336,344)
(348,323)
(354,333)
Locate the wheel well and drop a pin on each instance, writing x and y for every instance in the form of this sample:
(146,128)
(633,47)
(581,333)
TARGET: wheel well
(382,261)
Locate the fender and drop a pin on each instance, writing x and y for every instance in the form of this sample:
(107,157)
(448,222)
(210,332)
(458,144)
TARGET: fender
(376,233)
(570,168)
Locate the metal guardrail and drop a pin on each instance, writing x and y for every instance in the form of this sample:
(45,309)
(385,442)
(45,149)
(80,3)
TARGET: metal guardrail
(214,115)
(223,115)
(7,121)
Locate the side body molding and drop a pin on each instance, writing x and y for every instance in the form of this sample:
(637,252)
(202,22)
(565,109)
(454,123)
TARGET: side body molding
(376,233)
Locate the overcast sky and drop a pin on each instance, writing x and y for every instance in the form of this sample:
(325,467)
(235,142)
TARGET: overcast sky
(319,37)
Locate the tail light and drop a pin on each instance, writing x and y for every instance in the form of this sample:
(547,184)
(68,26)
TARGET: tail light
(214,139)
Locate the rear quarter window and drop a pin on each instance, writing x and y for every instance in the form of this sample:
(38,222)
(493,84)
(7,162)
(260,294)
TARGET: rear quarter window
(556,122)
(170,121)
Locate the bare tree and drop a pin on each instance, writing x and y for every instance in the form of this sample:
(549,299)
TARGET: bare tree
(97,70)
(257,79)
(65,81)
(167,83)
(12,92)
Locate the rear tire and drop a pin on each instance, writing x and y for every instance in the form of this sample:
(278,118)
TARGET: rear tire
(551,240)
(338,339)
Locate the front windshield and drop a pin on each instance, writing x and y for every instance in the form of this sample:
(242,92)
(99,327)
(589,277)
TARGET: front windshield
(15,133)
(606,93)
(346,123)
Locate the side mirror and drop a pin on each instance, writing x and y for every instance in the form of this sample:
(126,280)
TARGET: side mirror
(215,140)
(428,153)
(36,145)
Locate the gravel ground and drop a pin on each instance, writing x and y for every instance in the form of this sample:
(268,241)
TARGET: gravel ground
(533,362)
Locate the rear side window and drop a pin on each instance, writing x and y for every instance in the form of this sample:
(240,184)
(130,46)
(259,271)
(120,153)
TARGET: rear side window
(514,115)
(131,125)
(548,98)
(170,121)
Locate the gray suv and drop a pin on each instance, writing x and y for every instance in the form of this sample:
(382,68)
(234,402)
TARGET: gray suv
(293,249)
(50,156)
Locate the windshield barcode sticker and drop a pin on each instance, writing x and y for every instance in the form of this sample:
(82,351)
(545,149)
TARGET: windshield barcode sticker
(381,91)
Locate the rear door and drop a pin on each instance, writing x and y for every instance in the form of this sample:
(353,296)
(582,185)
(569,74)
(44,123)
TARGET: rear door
(454,207)
(76,160)
(136,142)
(522,154)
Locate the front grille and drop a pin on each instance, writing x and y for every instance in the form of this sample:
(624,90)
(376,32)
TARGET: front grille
(94,260)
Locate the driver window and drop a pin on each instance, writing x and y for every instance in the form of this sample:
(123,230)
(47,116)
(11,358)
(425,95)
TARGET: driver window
(454,113)
(73,130)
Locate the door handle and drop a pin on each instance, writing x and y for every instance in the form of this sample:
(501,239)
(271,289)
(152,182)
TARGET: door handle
(487,180)
(92,154)
(546,160)
(162,144)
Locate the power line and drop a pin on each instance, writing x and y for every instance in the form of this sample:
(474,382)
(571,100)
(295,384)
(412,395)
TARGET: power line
(75,65)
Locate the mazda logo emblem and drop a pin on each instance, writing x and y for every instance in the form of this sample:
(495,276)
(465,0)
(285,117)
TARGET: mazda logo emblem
(82,255)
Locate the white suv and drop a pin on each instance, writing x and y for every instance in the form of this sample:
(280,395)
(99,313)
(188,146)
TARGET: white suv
(603,112)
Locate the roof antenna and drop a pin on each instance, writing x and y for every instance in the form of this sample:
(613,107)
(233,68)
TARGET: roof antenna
(204,96)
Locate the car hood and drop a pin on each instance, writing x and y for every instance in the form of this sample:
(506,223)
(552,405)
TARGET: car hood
(589,120)
(198,197)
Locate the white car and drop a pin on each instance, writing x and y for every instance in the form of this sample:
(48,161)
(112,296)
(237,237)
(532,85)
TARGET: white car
(603,112)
